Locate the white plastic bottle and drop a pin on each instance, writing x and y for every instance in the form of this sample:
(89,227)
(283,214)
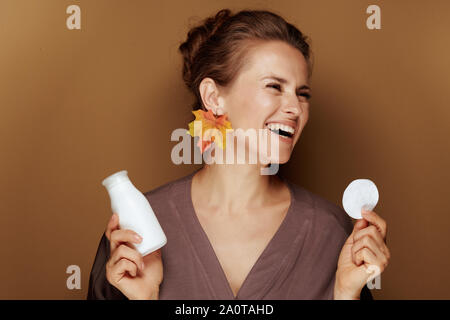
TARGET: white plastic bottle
(134,212)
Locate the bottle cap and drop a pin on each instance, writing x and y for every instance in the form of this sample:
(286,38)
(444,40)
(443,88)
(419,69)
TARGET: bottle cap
(115,178)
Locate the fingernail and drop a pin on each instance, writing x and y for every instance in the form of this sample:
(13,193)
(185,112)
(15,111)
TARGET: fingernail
(138,237)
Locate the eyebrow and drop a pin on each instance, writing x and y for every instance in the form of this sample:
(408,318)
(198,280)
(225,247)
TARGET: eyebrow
(281,80)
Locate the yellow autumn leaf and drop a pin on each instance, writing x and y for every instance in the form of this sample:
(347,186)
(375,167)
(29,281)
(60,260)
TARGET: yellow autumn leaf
(209,127)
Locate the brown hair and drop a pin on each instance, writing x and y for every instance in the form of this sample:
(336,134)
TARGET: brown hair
(217,47)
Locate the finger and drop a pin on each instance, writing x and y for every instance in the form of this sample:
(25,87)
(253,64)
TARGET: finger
(376,220)
(367,257)
(369,243)
(357,258)
(359,225)
(113,224)
(154,255)
(121,236)
(373,232)
(119,269)
(123,251)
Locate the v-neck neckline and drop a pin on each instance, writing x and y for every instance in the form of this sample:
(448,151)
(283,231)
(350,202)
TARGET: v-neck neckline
(209,256)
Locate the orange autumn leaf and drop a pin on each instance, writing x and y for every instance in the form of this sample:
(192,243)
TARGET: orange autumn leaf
(203,145)
(209,127)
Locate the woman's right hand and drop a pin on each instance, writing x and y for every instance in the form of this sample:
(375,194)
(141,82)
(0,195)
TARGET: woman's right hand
(137,277)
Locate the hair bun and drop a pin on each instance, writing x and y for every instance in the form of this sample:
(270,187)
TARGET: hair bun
(196,37)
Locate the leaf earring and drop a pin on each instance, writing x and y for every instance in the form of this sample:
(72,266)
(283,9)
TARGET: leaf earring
(208,120)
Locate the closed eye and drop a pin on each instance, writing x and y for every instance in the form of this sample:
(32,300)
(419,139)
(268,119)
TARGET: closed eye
(275,86)
(306,95)
(278,87)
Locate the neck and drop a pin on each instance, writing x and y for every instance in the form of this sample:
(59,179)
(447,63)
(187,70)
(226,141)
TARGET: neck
(235,187)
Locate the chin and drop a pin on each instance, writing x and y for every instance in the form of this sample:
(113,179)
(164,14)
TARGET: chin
(284,157)
(284,160)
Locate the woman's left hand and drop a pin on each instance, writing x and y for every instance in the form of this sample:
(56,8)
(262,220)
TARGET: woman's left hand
(363,256)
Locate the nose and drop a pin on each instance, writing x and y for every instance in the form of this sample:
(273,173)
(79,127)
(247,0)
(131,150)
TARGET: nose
(292,106)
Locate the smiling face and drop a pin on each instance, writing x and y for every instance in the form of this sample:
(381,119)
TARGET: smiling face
(271,92)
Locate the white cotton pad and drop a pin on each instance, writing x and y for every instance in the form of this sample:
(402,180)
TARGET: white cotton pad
(360,194)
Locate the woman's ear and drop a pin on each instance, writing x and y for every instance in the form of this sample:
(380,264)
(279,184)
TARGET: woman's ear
(211,99)
(221,107)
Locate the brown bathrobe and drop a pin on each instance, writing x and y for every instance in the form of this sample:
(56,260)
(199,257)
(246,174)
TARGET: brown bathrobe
(299,262)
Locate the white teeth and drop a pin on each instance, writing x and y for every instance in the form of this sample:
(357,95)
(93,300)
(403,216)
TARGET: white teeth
(276,126)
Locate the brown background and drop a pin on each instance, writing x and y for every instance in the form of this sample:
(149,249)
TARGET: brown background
(79,105)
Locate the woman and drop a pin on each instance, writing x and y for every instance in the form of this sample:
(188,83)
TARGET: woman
(232,232)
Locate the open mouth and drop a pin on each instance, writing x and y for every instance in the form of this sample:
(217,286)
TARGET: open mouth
(280,129)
